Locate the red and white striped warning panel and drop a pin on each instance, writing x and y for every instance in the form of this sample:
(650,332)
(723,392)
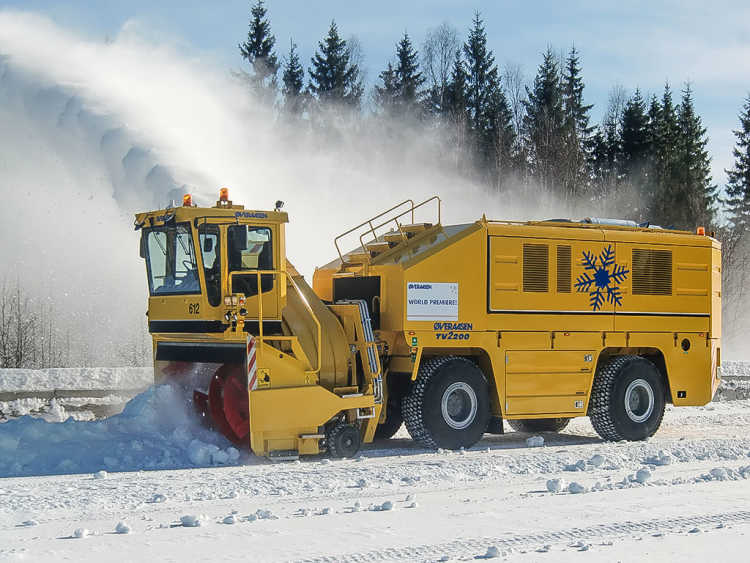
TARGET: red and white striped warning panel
(252,368)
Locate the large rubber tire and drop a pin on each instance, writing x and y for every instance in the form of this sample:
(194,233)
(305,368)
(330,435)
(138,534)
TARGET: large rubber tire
(343,440)
(448,405)
(627,399)
(531,425)
(393,418)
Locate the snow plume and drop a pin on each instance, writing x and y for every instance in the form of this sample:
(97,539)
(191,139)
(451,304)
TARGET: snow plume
(92,132)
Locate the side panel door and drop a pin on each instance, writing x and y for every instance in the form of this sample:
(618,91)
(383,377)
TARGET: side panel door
(547,381)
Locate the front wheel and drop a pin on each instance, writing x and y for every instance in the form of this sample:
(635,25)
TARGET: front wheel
(448,405)
(627,399)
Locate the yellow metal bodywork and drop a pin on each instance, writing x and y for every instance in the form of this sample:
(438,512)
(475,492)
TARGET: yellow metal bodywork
(518,312)
(540,349)
(306,370)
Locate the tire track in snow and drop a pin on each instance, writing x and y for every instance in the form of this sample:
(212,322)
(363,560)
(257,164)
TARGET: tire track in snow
(474,547)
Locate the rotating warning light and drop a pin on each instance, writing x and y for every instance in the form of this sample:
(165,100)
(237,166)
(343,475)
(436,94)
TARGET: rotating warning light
(187,200)
(701,231)
(224,194)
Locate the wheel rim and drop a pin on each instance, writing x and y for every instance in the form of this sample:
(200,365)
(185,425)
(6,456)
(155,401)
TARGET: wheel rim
(639,400)
(459,405)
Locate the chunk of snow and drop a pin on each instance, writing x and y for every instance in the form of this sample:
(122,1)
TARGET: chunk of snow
(555,485)
(387,505)
(535,442)
(719,474)
(29,523)
(576,488)
(596,460)
(158,498)
(492,552)
(192,520)
(81,533)
(122,528)
(231,519)
(643,475)
(100,474)
(264,514)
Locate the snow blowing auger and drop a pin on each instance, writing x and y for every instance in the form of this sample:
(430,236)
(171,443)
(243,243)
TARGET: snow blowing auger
(447,329)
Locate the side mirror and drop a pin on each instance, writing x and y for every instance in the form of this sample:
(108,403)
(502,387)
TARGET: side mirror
(208,245)
(143,245)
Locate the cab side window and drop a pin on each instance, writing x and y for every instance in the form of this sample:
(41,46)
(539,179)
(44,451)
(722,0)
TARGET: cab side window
(250,249)
(208,236)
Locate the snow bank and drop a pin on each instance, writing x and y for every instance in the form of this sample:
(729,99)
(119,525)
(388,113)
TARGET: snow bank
(75,378)
(157,430)
(735,369)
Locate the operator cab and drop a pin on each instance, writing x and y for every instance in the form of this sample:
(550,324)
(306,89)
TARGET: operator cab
(205,265)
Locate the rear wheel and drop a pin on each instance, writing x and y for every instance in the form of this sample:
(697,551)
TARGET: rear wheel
(539,424)
(448,404)
(627,399)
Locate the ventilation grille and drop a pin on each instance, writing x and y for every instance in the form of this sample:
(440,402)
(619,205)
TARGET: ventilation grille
(535,267)
(563,269)
(652,272)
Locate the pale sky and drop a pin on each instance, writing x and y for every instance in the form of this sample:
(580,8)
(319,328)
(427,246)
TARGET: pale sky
(634,44)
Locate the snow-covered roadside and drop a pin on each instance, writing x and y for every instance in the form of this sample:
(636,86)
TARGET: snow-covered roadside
(75,378)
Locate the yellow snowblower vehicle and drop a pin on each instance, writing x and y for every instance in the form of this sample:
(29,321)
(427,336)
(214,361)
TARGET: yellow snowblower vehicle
(449,329)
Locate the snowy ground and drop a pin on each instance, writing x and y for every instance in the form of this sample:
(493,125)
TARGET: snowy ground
(683,495)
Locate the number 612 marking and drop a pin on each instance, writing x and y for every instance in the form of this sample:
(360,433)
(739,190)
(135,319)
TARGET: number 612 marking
(194,308)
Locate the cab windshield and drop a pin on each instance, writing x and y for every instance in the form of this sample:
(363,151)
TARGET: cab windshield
(170,260)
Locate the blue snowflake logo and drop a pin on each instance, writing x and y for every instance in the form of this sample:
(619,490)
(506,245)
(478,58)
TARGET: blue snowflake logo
(601,278)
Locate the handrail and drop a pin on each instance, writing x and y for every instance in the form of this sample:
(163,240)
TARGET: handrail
(290,279)
(398,225)
(369,221)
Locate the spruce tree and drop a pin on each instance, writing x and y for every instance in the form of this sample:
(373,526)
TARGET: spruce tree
(386,93)
(579,142)
(696,196)
(400,92)
(408,76)
(334,78)
(456,90)
(634,151)
(293,80)
(455,108)
(258,51)
(738,185)
(487,108)
(544,124)
(665,181)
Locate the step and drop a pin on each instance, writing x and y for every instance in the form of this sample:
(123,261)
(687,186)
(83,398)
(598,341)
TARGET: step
(357,257)
(416,227)
(379,246)
(393,236)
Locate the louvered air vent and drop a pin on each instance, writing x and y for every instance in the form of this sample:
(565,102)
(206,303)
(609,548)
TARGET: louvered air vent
(535,267)
(563,269)
(652,272)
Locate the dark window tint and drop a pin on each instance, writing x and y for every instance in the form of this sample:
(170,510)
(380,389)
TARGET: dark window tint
(250,249)
(208,236)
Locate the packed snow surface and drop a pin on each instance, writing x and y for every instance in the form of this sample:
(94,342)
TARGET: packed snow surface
(674,497)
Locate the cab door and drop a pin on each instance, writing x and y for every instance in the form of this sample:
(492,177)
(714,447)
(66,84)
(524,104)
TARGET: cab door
(252,249)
